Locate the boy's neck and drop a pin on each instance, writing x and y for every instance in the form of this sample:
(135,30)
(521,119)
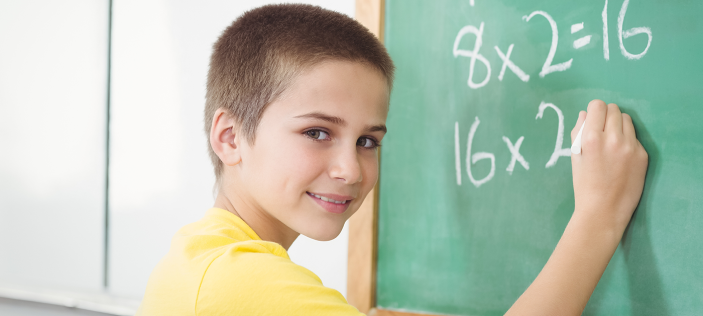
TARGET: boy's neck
(266,226)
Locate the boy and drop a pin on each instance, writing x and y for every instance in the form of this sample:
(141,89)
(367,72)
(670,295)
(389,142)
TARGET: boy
(297,99)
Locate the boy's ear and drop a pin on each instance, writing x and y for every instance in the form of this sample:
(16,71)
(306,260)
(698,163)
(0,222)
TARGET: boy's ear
(225,139)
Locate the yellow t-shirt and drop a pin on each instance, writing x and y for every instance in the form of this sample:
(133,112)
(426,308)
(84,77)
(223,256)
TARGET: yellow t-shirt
(219,266)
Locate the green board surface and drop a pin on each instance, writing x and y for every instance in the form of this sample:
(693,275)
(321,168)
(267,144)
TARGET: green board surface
(473,248)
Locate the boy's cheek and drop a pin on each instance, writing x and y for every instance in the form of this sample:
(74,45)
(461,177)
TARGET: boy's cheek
(285,157)
(370,172)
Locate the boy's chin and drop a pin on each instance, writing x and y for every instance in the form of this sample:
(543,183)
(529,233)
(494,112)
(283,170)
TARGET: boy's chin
(325,234)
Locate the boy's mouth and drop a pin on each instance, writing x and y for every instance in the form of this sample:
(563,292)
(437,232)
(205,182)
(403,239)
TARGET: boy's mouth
(331,202)
(326,199)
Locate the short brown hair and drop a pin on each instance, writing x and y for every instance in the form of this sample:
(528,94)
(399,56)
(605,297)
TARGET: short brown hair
(258,56)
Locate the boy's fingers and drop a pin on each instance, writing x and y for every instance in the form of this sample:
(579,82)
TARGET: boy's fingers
(628,128)
(613,120)
(577,127)
(596,116)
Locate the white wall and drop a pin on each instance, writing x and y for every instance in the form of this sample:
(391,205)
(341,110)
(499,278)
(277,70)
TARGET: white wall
(53,85)
(160,175)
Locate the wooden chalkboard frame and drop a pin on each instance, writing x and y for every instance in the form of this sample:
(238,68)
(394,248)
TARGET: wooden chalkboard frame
(361,269)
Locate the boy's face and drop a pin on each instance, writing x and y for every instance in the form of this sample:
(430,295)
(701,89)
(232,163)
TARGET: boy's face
(317,142)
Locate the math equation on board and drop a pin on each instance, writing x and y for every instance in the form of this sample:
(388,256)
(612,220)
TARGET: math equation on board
(548,67)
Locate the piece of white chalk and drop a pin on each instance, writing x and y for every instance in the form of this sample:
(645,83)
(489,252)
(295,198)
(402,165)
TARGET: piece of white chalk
(576,146)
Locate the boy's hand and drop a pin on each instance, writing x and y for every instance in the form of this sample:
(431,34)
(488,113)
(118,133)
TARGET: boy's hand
(608,182)
(609,173)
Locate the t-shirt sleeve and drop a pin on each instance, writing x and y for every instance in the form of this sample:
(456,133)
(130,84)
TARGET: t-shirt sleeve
(255,283)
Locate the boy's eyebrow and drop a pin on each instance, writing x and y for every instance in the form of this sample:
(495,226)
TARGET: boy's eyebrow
(322,116)
(377,128)
(340,121)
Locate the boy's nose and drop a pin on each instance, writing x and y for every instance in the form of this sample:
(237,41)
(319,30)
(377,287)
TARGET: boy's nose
(346,166)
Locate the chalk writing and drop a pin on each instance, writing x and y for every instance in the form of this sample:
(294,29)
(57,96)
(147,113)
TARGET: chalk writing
(606,45)
(473,54)
(583,41)
(547,67)
(457,154)
(631,32)
(509,63)
(558,150)
(472,159)
(516,156)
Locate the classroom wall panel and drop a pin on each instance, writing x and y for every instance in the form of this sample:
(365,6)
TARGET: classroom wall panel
(53,88)
(160,176)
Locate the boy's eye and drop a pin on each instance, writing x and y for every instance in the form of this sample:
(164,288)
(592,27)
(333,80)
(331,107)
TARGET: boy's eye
(366,142)
(317,134)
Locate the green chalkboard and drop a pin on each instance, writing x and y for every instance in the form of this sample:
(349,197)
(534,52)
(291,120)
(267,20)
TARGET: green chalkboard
(473,248)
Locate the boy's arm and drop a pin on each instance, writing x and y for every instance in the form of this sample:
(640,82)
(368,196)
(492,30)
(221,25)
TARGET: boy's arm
(608,181)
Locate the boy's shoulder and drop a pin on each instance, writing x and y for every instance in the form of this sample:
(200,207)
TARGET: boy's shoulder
(219,266)
(256,283)
(220,243)
(220,231)
(219,235)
